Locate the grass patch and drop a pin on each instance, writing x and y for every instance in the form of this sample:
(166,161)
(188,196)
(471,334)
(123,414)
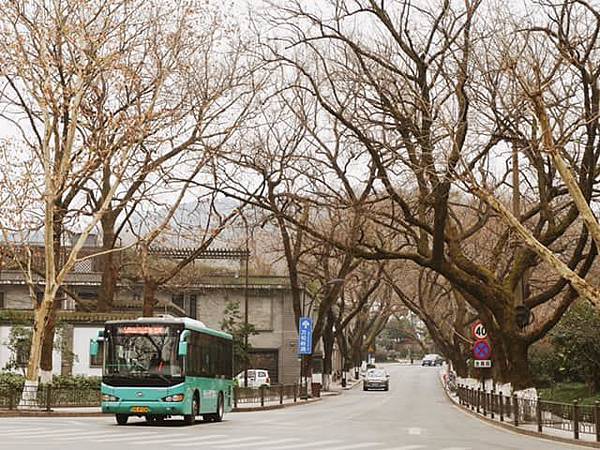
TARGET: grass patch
(567,392)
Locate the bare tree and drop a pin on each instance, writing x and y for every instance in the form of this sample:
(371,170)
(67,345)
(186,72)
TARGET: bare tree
(58,59)
(430,108)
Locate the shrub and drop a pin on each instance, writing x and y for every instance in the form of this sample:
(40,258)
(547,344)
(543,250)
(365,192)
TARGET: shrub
(16,381)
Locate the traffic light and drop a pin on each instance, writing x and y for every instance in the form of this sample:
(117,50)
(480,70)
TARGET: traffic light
(522,316)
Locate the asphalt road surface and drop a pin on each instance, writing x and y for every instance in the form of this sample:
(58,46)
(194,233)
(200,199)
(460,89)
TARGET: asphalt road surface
(413,415)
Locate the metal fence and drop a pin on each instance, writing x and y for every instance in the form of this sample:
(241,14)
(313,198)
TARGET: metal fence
(47,397)
(571,417)
(276,394)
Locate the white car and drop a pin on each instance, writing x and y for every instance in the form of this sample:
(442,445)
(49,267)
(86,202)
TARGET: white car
(256,378)
(432,359)
(376,379)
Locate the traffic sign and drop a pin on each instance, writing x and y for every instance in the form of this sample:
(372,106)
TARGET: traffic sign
(482,349)
(478,330)
(305,326)
(483,364)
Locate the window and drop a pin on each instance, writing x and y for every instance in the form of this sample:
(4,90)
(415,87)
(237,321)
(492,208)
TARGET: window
(193,307)
(210,356)
(98,360)
(1,300)
(177,299)
(22,352)
(39,298)
(87,295)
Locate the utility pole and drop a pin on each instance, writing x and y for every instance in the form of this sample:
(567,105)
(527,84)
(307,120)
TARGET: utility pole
(247,258)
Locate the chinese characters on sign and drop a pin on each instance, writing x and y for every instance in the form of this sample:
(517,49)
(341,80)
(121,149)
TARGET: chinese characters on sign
(305,327)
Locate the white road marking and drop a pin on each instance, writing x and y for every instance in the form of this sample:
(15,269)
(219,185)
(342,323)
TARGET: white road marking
(259,444)
(415,431)
(86,434)
(406,447)
(164,439)
(352,446)
(227,441)
(21,430)
(304,445)
(46,433)
(129,437)
(457,448)
(63,433)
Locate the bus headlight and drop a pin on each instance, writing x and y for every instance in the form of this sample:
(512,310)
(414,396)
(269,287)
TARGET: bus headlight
(174,398)
(109,398)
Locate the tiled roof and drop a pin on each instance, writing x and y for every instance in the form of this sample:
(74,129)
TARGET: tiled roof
(12,277)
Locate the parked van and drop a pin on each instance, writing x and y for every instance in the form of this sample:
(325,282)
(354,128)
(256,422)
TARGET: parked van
(256,378)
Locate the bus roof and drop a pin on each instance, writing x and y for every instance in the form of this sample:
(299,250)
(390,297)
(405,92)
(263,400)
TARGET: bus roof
(188,323)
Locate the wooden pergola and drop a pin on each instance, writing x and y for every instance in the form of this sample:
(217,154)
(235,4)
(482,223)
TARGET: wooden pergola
(186,252)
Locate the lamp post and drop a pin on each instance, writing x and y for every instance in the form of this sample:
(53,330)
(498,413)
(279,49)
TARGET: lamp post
(247,258)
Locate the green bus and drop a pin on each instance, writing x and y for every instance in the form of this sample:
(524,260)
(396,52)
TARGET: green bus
(165,366)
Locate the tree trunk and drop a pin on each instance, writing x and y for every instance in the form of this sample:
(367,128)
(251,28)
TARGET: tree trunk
(328,341)
(50,324)
(109,269)
(518,364)
(40,325)
(150,289)
(46,362)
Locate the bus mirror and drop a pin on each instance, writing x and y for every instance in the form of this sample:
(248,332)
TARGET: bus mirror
(183,348)
(94,348)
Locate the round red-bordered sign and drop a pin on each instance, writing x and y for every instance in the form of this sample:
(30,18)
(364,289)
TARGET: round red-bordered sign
(482,349)
(478,330)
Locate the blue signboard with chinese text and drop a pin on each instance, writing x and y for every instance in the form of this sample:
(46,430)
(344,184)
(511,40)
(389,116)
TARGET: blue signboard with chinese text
(305,328)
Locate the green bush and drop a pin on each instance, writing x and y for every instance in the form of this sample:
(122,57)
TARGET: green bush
(12,380)
(16,381)
(78,381)
(546,364)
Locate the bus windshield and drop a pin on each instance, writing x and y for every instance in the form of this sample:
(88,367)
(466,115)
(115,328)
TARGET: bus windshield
(143,350)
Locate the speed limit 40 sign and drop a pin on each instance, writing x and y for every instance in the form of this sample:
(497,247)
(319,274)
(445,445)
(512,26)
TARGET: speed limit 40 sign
(478,330)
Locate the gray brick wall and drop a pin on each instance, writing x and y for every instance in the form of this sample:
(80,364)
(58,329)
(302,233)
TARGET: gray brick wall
(270,311)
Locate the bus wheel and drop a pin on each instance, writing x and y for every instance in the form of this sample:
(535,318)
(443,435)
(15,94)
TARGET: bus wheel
(122,418)
(189,419)
(217,416)
(220,408)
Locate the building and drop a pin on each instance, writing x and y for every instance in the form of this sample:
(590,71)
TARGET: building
(203,297)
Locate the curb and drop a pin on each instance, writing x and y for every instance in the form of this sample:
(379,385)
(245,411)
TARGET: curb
(356,383)
(276,406)
(517,430)
(16,413)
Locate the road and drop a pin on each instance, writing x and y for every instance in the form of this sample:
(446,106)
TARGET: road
(413,415)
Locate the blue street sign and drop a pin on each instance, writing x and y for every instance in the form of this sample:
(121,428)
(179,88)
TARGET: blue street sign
(305,336)
(482,349)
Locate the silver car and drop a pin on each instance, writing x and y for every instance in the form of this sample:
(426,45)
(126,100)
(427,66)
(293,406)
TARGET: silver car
(376,379)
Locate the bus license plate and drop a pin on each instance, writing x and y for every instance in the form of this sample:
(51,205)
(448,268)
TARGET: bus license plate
(140,409)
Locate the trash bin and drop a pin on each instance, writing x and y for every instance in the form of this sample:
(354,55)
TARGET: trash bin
(316,389)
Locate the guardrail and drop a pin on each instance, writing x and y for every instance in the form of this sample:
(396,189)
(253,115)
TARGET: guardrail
(47,397)
(571,417)
(275,394)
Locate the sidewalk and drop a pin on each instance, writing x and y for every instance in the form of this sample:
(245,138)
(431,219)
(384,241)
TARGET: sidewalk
(552,434)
